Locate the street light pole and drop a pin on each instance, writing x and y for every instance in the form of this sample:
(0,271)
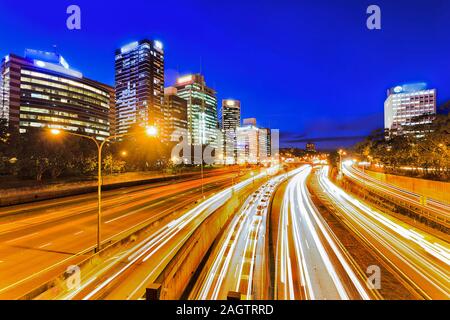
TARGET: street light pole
(201,170)
(151,131)
(99,191)
(341,152)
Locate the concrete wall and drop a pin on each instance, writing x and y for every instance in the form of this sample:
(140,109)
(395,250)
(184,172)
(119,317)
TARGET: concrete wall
(14,196)
(434,189)
(178,273)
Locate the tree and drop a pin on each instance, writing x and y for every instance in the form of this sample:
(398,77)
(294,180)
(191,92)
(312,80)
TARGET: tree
(113,165)
(144,153)
(426,154)
(42,155)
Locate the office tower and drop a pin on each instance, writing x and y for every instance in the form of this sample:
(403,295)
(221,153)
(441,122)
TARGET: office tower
(254,145)
(248,145)
(407,106)
(201,109)
(231,114)
(40,90)
(139,85)
(175,113)
(264,145)
(249,122)
(231,120)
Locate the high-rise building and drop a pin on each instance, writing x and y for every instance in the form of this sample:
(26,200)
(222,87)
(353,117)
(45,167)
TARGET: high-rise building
(231,120)
(248,145)
(253,144)
(407,106)
(175,113)
(201,109)
(40,90)
(264,144)
(249,122)
(231,114)
(139,85)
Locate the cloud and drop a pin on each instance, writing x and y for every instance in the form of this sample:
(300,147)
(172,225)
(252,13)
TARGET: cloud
(330,133)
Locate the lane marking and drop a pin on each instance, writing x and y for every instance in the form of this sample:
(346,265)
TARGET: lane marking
(45,245)
(20,238)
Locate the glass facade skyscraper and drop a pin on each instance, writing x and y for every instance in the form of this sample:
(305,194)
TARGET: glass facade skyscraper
(231,120)
(201,109)
(40,90)
(231,114)
(139,77)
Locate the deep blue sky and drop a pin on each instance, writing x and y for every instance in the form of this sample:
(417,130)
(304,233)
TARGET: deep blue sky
(308,67)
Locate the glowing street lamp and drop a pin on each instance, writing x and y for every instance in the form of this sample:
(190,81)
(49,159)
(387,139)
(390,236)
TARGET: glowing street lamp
(55,132)
(341,153)
(151,131)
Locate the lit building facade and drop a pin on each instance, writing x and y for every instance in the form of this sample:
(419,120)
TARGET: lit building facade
(40,90)
(405,104)
(231,114)
(264,144)
(231,120)
(249,122)
(175,113)
(201,109)
(139,85)
(254,145)
(248,145)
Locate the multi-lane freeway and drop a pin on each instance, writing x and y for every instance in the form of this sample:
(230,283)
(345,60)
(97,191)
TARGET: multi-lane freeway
(418,257)
(433,209)
(127,275)
(310,262)
(39,240)
(287,251)
(239,262)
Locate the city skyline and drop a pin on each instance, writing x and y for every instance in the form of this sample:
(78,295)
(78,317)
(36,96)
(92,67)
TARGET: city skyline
(305,62)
